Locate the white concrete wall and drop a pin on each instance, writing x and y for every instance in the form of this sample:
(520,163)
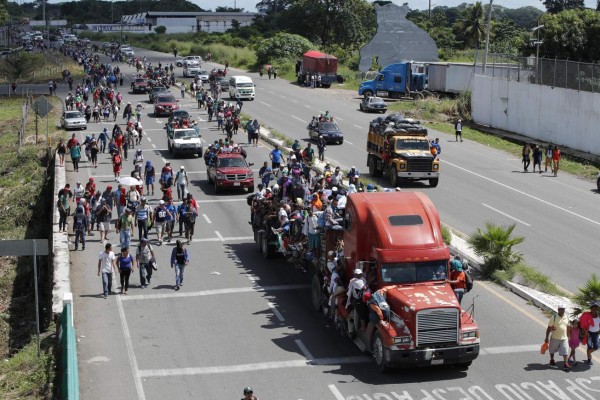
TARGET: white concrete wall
(562,116)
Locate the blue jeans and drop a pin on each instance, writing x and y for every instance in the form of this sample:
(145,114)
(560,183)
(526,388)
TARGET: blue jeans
(107,282)
(125,237)
(142,228)
(179,268)
(145,273)
(459,294)
(79,234)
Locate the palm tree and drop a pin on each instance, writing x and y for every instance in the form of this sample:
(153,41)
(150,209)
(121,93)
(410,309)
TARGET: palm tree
(495,245)
(586,294)
(472,26)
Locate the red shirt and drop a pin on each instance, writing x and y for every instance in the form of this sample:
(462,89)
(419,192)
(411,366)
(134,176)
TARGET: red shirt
(556,154)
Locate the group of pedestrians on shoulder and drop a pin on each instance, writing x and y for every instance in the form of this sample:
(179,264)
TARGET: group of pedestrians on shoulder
(551,153)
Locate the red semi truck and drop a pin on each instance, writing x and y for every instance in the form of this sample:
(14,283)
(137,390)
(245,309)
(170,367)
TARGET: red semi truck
(396,240)
(322,66)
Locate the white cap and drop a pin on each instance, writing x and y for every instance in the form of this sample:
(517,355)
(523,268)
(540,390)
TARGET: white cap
(161,202)
(358,271)
(353,167)
(182,167)
(561,305)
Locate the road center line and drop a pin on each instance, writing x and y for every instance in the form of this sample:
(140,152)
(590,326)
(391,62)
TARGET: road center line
(149,139)
(359,127)
(505,214)
(206,218)
(153,145)
(336,393)
(304,349)
(524,193)
(268,105)
(299,119)
(276,312)
(214,292)
(221,238)
(349,142)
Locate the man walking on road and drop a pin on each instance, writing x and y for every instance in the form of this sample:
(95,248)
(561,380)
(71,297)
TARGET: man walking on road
(179,260)
(106,266)
(182,182)
(80,223)
(182,90)
(125,225)
(144,256)
(458,129)
(557,333)
(590,322)
(143,214)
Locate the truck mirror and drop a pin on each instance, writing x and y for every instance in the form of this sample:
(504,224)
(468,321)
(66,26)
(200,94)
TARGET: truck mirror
(251,164)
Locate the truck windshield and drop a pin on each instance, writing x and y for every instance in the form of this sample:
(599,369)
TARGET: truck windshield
(187,133)
(412,144)
(414,272)
(232,162)
(244,85)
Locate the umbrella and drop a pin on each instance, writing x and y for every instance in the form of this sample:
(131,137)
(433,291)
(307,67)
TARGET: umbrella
(130,181)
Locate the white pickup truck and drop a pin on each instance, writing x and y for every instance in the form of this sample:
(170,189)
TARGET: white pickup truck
(185,141)
(189,60)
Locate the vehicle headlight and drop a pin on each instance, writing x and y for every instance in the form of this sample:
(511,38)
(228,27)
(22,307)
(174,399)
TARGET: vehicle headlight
(436,166)
(250,174)
(402,340)
(470,334)
(402,166)
(176,144)
(221,176)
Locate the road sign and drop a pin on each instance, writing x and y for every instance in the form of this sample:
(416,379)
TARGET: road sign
(23,247)
(42,106)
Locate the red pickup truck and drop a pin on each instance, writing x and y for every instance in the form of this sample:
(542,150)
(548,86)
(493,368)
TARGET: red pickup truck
(231,171)
(140,85)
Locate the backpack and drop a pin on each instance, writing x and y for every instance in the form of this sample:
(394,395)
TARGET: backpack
(191,216)
(468,281)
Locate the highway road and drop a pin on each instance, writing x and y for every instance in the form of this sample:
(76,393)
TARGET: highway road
(241,320)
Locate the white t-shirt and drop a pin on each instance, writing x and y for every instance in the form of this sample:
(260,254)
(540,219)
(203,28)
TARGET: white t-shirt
(181,175)
(596,326)
(106,261)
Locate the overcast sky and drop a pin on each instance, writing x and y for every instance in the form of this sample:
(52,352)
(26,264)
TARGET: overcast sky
(250,5)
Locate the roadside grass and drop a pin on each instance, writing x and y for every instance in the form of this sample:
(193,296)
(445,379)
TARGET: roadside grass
(529,276)
(24,186)
(37,68)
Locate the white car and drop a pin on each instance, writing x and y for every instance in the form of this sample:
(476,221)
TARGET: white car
(190,70)
(189,60)
(203,76)
(73,120)
(185,141)
(127,52)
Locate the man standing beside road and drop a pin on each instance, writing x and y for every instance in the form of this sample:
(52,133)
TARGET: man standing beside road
(144,256)
(106,266)
(590,322)
(458,129)
(321,146)
(557,334)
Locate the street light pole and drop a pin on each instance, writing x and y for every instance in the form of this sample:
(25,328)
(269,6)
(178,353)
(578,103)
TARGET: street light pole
(487,36)
(538,42)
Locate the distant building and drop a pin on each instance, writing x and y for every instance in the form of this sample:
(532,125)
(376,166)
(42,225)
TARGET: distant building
(182,22)
(397,39)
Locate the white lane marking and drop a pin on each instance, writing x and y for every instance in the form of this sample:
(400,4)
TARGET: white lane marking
(129,345)
(282,96)
(252,278)
(299,119)
(221,238)
(224,369)
(349,142)
(153,145)
(524,193)
(307,106)
(359,127)
(509,349)
(294,100)
(164,160)
(338,118)
(262,102)
(505,214)
(219,200)
(304,349)
(270,91)
(157,120)
(336,393)
(149,139)
(206,218)
(214,292)
(276,312)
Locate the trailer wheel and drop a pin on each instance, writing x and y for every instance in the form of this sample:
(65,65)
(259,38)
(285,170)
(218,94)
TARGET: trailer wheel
(258,239)
(367,94)
(377,351)
(266,250)
(433,182)
(316,293)
(393,176)
(373,170)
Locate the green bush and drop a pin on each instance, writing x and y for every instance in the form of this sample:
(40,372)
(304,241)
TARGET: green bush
(588,293)
(282,46)
(446,235)
(495,245)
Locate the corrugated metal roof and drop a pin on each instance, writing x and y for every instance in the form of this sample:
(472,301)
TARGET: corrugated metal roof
(397,39)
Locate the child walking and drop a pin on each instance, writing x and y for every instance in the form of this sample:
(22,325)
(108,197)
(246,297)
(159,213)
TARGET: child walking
(574,340)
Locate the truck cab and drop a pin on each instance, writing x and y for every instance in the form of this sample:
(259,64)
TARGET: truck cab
(395,239)
(394,81)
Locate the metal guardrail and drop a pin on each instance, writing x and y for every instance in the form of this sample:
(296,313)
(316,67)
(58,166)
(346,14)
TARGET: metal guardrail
(68,370)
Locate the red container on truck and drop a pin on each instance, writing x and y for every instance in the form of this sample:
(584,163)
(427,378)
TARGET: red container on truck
(322,66)
(395,239)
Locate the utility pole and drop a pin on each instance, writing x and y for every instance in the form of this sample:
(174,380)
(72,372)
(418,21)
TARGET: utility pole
(538,42)
(487,36)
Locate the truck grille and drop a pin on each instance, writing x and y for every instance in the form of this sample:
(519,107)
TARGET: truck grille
(437,326)
(419,164)
(236,177)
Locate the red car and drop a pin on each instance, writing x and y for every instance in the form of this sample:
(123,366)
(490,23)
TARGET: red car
(231,171)
(140,85)
(165,104)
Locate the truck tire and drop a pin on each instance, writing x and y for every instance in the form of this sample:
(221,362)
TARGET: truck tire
(433,182)
(373,171)
(316,293)
(377,350)
(251,189)
(463,366)
(179,64)
(265,248)
(393,176)
(326,85)
(367,93)
(258,239)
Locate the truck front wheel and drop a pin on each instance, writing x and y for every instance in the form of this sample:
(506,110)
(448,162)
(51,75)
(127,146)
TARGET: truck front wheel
(316,293)
(463,366)
(378,352)
(367,93)
(393,176)
(433,182)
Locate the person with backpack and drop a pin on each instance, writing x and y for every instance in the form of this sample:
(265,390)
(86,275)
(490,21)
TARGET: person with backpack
(149,176)
(103,215)
(190,222)
(124,227)
(457,278)
(80,223)
(117,163)
(126,265)
(182,182)
(145,257)
(179,260)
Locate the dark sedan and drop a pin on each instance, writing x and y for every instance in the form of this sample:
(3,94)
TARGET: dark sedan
(329,130)
(155,91)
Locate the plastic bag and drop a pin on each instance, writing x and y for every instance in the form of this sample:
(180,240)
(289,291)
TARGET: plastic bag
(544,348)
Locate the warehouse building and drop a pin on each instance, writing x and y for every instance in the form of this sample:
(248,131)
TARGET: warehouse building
(209,22)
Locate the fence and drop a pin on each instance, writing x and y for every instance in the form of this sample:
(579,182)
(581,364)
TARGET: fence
(544,71)
(67,363)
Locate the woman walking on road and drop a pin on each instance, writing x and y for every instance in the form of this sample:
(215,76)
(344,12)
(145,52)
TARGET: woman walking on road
(179,260)
(555,159)
(125,263)
(61,149)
